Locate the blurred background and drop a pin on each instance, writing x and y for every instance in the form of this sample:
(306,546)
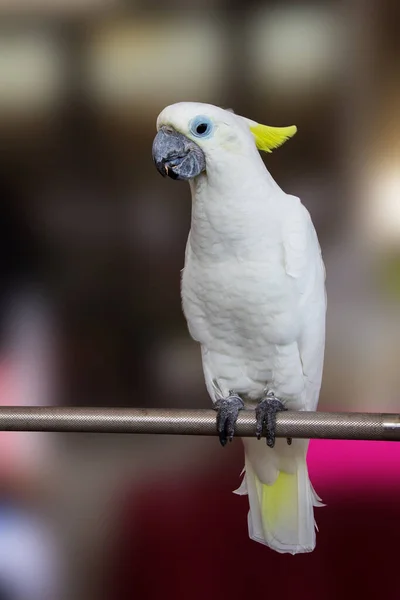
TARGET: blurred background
(92,242)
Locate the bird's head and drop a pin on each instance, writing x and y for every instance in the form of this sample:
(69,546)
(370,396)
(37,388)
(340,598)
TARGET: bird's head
(191,136)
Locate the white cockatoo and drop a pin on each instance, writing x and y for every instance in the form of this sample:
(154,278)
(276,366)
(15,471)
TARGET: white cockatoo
(253,293)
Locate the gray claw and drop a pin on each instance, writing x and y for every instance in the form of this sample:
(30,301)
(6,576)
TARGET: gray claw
(227,414)
(266,417)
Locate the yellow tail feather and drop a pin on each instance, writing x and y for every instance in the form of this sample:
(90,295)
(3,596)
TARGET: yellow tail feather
(278,502)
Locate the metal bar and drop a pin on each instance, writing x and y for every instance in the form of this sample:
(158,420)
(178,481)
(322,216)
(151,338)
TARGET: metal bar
(350,426)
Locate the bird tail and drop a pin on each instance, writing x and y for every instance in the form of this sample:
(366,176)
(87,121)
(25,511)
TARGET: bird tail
(281,496)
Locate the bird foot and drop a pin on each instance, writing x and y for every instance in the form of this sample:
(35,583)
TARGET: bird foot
(266,418)
(227,414)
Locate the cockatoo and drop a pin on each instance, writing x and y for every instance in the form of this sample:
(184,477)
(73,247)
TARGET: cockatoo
(253,293)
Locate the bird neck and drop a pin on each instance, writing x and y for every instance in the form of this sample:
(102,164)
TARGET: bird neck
(231,210)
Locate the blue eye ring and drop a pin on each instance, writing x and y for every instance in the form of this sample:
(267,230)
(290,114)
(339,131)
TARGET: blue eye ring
(201,126)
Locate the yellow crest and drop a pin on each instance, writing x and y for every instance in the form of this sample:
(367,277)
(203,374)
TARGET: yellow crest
(268,138)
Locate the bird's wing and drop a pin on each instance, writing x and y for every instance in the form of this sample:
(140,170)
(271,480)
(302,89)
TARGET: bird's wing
(304,264)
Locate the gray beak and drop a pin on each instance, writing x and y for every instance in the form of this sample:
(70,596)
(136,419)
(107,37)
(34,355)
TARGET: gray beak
(177,156)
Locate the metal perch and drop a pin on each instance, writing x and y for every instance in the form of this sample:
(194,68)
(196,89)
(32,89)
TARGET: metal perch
(346,426)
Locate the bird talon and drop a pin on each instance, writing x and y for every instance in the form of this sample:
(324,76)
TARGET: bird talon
(227,414)
(266,412)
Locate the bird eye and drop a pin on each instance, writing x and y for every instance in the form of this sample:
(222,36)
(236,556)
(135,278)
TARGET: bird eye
(201,126)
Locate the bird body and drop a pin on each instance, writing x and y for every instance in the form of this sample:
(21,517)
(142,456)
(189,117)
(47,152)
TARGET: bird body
(253,293)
